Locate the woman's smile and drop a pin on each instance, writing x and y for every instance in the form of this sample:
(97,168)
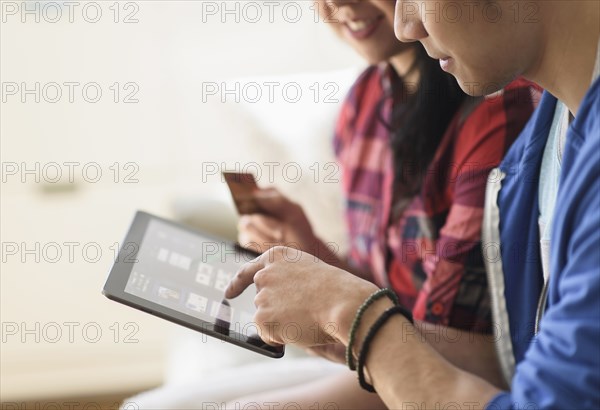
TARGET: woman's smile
(363,28)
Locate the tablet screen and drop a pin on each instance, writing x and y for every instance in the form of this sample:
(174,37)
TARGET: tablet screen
(189,273)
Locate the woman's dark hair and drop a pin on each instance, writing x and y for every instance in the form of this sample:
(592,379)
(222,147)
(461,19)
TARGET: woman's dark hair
(419,118)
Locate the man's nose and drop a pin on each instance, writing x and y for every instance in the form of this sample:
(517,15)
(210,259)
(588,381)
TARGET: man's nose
(407,21)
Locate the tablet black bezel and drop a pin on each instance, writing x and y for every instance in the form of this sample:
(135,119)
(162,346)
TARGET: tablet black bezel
(114,288)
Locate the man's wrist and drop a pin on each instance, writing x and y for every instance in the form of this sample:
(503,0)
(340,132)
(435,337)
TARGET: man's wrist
(369,317)
(343,313)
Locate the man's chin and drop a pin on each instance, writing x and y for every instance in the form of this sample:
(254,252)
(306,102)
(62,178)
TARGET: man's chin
(476,88)
(468,84)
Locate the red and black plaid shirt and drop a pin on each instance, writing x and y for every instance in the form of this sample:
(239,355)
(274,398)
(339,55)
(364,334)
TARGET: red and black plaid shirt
(431,253)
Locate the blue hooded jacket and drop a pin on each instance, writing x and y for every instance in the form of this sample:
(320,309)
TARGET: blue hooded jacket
(559,367)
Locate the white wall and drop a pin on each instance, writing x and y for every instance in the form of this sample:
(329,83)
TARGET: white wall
(173,49)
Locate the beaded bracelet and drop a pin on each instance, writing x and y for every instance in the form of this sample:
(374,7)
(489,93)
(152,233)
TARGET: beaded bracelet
(359,313)
(364,350)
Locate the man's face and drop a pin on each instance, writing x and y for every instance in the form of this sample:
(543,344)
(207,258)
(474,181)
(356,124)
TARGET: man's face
(485,44)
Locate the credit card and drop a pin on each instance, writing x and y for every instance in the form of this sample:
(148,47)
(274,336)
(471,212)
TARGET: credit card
(242,187)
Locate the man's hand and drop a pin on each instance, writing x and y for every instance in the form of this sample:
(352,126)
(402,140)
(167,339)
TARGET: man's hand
(300,299)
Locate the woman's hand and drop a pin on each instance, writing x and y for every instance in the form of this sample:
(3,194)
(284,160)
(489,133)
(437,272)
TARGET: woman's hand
(300,299)
(282,223)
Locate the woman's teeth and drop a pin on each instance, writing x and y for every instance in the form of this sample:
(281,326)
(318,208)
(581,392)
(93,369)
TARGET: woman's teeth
(358,25)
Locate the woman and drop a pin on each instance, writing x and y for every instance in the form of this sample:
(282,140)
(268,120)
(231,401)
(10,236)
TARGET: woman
(415,153)
(560,364)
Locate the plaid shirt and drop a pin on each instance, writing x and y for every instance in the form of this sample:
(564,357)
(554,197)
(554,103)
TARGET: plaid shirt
(430,254)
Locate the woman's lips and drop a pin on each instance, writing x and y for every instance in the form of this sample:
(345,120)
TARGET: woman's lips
(363,28)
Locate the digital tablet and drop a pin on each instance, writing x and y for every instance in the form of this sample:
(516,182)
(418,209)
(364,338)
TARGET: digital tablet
(180,274)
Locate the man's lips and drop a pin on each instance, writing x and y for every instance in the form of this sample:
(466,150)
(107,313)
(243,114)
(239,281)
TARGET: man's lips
(445,63)
(437,56)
